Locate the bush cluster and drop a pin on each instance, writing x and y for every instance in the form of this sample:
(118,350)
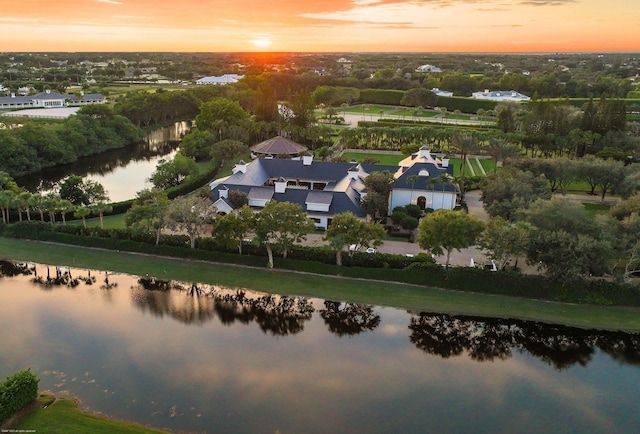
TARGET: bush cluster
(16,392)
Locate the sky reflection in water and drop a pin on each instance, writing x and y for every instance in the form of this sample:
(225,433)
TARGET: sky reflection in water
(224,360)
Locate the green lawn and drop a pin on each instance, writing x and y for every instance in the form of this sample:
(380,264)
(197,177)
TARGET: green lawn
(409,297)
(64,417)
(488,166)
(384,159)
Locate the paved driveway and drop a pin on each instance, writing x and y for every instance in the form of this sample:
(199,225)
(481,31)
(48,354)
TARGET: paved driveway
(461,258)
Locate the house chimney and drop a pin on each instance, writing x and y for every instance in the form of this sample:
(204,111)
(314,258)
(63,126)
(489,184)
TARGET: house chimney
(445,162)
(353,172)
(281,185)
(307,159)
(241,166)
(223,192)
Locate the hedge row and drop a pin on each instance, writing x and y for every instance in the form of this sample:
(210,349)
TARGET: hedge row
(465,105)
(420,270)
(381,96)
(18,391)
(451,103)
(430,124)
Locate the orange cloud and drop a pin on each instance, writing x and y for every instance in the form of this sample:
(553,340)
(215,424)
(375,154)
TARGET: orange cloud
(332,25)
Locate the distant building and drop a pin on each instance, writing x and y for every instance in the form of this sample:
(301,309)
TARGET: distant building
(500,95)
(220,80)
(277,146)
(428,68)
(49,99)
(441,92)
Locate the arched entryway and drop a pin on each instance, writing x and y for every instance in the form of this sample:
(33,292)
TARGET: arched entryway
(422,202)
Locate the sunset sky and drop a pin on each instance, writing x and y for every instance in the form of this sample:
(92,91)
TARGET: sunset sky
(316,26)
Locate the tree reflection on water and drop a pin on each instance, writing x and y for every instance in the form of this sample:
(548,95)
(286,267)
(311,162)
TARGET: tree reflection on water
(348,319)
(485,339)
(274,314)
(446,336)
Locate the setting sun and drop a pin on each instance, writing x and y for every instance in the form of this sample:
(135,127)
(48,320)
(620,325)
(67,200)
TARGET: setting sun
(261,42)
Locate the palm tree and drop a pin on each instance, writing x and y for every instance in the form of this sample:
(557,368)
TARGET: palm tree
(411,180)
(501,151)
(24,197)
(50,205)
(444,181)
(83,212)
(65,206)
(432,187)
(36,201)
(101,208)
(6,202)
(464,144)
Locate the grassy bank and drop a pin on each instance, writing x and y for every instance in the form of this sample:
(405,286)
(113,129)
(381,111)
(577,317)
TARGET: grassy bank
(62,416)
(409,297)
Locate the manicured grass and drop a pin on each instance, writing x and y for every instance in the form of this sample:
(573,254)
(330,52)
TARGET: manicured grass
(410,297)
(488,166)
(384,159)
(64,417)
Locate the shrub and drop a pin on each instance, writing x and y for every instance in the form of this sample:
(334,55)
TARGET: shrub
(18,391)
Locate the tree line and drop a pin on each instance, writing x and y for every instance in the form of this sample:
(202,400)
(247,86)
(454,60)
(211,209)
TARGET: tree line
(71,196)
(28,146)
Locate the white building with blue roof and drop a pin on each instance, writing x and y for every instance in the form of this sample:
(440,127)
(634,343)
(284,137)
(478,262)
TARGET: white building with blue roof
(49,99)
(324,189)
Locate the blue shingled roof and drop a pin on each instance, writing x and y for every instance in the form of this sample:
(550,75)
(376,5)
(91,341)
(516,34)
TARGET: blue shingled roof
(423,181)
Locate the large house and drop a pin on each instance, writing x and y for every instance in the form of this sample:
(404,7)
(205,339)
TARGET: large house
(325,189)
(501,95)
(49,99)
(428,68)
(220,80)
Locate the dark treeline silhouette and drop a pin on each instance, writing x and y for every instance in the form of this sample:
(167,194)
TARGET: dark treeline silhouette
(484,339)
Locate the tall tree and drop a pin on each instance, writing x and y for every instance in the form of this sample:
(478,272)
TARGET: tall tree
(226,150)
(445,230)
(82,212)
(191,214)
(501,240)
(197,144)
(230,230)
(280,225)
(101,208)
(347,229)
(148,212)
(220,116)
(79,191)
(379,186)
(501,151)
(6,202)
(504,193)
(464,144)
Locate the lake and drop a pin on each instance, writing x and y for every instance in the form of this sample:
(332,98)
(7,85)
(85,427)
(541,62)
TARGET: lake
(122,172)
(202,358)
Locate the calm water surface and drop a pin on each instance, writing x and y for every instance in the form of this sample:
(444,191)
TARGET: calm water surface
(122,172)
(225,360)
